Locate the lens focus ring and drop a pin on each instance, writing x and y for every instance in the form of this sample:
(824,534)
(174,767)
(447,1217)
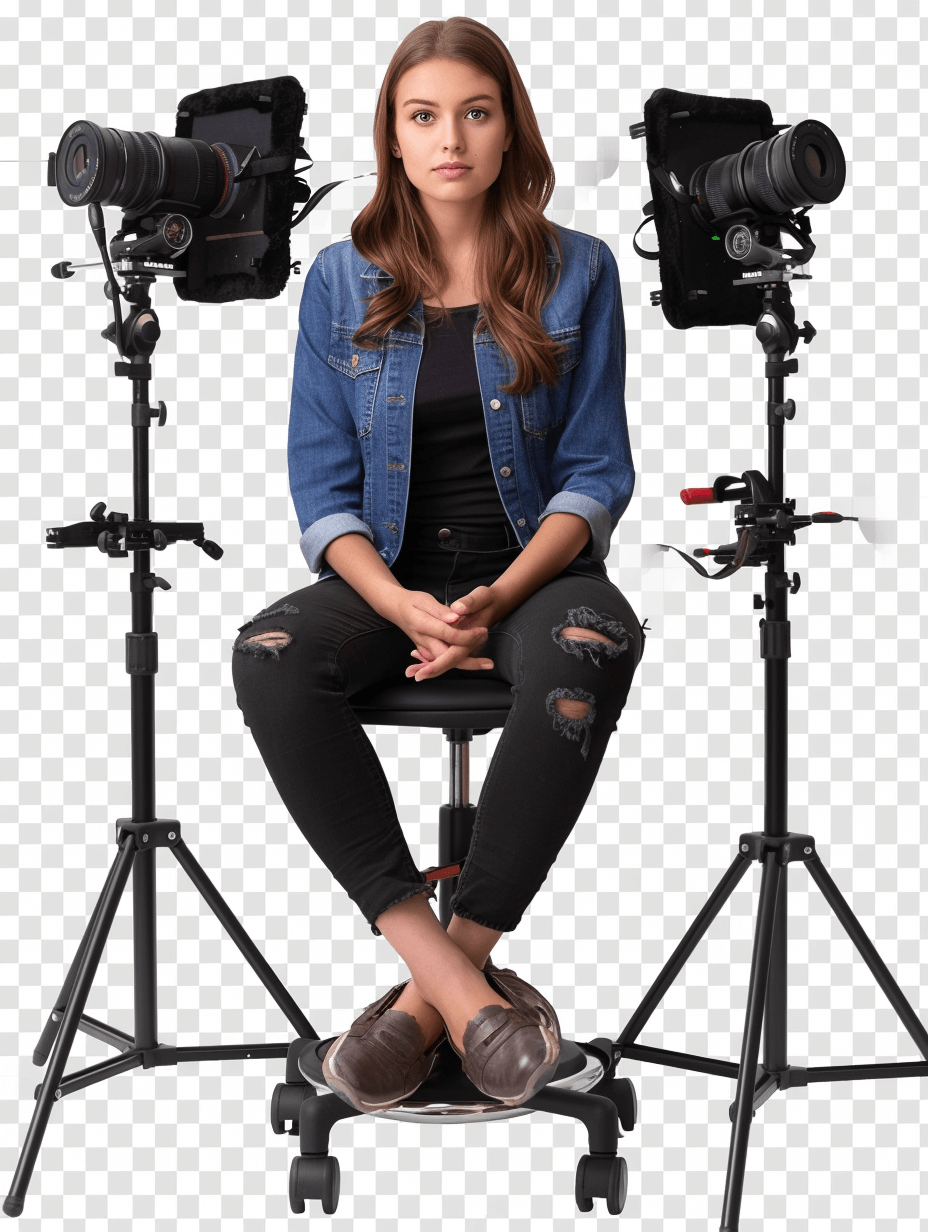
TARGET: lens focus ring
(144,165)
(763,184)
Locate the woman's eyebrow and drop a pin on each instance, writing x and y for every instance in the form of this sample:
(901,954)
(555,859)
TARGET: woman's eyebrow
(424,102)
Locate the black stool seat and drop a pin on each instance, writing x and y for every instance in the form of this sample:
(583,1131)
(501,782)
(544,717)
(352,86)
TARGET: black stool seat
(467,700)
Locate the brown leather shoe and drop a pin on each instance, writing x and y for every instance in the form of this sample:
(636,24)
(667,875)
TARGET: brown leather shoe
(382,1057)
(520,994)
(510,1054)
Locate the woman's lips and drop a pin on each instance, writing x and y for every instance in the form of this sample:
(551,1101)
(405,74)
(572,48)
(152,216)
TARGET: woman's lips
(452,173)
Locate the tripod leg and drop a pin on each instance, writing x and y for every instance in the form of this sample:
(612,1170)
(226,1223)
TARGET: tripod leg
(868,953)
(53,1023)
(753,1024)
(688,942)
(253,956)
(97,933)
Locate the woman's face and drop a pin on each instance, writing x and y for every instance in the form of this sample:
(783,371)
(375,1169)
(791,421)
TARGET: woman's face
(448,112)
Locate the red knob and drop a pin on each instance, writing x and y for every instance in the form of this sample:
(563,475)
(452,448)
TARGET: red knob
(698,496)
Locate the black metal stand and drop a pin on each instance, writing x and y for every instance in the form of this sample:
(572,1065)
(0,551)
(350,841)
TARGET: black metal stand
(136,838)
(768,523)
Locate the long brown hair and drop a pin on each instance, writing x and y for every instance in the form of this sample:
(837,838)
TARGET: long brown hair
(511,270)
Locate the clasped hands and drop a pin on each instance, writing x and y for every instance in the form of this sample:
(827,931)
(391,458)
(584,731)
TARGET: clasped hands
(447,636)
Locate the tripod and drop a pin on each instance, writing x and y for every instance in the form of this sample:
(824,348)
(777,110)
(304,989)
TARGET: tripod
(768,523)
(136,837)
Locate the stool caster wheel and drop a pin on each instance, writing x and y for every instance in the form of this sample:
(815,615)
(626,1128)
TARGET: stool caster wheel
(314,1176)
(622,1093)
(600,1176)
(286,1102)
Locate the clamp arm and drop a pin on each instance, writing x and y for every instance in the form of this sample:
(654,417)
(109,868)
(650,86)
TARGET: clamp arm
(140,535)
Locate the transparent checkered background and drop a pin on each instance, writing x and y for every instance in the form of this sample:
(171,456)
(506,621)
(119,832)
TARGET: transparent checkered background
(185,1148)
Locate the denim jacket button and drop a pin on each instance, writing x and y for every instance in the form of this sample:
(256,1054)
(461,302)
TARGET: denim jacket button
(444,533)
(505,471)
(495,404)
(521,522)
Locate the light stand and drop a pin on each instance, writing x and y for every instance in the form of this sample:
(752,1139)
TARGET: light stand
(138,836)
(768,523)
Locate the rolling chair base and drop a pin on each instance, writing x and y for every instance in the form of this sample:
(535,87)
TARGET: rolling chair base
(583,1088)
(447,1094)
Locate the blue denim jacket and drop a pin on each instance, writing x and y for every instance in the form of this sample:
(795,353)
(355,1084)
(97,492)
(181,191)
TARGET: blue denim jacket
(562,448)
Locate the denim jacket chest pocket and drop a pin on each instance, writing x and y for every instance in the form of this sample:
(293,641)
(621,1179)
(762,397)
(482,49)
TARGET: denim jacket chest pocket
(542,409)
(359,366)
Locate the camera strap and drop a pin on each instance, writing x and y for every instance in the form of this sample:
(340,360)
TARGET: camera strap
(648,211)
(747,542)
(322,192)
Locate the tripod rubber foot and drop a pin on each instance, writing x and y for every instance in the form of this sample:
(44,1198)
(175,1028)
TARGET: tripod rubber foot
(13,1207)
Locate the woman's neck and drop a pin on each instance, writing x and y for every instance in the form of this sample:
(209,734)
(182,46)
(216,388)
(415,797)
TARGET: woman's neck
(456,228)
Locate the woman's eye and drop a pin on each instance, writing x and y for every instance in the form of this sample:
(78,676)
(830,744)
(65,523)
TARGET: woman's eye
(479,110)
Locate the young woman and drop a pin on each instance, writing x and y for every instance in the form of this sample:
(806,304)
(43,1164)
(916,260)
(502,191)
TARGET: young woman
(459,459)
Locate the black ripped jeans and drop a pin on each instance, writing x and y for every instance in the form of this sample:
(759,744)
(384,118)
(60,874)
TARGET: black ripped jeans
(324,643)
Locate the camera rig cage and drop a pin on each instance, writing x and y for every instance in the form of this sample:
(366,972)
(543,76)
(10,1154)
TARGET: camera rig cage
(698,272)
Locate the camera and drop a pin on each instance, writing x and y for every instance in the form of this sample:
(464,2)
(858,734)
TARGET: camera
(727,184)
(211,207)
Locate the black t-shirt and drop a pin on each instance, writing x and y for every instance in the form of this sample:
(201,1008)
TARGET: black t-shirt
(451,480)
(451,475)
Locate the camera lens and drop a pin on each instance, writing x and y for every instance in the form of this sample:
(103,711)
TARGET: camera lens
(802,166)
(136,171)
(815,160)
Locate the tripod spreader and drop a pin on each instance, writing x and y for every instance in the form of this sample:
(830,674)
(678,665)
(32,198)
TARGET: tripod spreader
(138,534)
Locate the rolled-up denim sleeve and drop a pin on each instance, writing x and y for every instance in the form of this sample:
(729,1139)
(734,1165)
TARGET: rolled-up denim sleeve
(592,467)
(323,451)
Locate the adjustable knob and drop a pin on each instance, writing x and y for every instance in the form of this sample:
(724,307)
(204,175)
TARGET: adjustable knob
(211,549)
(151,582)
(808,332)
(787,409)
(108,541)
(758,602)
(766,330)
(96,512)
(149,331)
(159,540)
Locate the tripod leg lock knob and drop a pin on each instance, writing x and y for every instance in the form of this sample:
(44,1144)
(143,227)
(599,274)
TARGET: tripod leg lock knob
(774,639)
(142,654)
